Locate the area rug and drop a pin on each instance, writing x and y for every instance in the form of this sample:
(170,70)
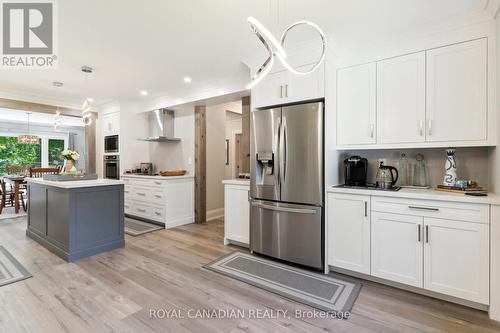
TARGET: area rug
(135,227)
(10,269)
(320,291)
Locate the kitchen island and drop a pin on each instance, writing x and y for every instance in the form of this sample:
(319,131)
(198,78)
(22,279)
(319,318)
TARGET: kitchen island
(76,219)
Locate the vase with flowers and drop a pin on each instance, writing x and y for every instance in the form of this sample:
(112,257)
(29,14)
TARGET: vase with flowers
(70,157)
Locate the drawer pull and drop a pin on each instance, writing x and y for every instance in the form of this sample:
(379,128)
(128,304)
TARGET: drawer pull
(158,183)
(141,194)
(424,208)
(159,214)
(141,210)
(158,196)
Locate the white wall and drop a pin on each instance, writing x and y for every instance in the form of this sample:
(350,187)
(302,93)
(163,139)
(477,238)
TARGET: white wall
(176,155)
(133,126)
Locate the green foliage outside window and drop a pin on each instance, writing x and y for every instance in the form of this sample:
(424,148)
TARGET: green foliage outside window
(56,146)
(13,153)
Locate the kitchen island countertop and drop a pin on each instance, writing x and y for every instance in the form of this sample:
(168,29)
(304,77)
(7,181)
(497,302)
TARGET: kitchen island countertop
(75,183)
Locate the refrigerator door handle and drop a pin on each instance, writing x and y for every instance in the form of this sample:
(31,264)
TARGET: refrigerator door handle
(284,209)
(282,151)
(278,149)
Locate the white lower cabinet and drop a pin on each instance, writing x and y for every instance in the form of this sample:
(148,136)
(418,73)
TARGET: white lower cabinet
(349,232)
(236,214)
(456,259)
(438,246)
(396,248)
(160,199)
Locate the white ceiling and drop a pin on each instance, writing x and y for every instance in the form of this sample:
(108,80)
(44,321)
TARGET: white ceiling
(151,45)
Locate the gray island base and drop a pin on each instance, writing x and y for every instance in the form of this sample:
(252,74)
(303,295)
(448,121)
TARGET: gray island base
(76,219)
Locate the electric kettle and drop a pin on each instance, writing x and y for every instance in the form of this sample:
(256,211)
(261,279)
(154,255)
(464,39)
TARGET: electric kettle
(385,176)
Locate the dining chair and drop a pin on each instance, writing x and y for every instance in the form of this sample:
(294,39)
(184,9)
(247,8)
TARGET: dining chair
(16,169)
(39,172)
(8,197)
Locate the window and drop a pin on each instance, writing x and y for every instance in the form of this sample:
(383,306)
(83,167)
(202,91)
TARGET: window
(13,153)
(56,146)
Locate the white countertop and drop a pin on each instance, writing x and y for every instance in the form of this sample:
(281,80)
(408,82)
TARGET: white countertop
(75,183)
(131,175)
(427,194)
(237,181)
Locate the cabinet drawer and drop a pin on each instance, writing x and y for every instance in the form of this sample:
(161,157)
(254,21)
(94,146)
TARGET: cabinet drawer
(144,182)
(140,193)
(158,214)
(142,210)
(128,207)
(478,213)
(157,195)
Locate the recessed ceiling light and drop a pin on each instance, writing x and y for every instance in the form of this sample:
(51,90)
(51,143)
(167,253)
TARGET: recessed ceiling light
(57,84)
(187,79)
(144,93)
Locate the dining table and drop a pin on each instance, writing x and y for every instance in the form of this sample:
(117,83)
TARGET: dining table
(15,181)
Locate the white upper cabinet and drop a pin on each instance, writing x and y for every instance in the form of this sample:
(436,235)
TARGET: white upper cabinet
(285,87)
(356,105)
(348,219)
(401,99)
(441,97)
(269,91)
(111,123)
(457,92)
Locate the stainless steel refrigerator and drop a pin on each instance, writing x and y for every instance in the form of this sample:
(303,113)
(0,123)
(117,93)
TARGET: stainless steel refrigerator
(286,166)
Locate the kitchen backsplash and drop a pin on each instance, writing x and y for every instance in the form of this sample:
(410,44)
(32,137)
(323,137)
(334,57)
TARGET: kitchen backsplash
(472,163)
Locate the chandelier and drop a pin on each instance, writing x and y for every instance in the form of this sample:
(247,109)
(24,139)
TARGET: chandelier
(276,48)
(28,139)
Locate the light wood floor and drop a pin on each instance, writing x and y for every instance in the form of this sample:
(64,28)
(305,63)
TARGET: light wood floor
(114,292)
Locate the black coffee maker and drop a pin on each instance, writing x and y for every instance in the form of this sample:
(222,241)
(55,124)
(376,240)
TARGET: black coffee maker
(355,170)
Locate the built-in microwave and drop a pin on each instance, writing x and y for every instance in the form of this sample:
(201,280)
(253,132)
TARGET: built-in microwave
(111,144)
(111,166)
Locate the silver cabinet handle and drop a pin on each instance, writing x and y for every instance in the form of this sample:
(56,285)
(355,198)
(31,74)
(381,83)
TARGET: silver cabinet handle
(286,90)
(427,234)
(141,194)
(366,208)
(158,183)
(424,208)
(372,130)
(141,210)
(430,127)
(421,127)
(284,209)
(419,231)
(159,214)
(158,196)
(281,91)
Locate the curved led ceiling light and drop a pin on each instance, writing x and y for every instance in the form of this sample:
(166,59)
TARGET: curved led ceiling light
(276,48)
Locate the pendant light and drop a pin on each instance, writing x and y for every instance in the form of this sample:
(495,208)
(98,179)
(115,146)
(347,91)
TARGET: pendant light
(86,107)
(276,48)
(28,139)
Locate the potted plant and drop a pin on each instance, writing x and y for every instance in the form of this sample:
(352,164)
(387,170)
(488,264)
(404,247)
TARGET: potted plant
(70,157)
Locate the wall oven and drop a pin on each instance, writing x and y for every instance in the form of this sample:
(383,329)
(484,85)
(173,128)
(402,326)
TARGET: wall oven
(111,144)
(111,166)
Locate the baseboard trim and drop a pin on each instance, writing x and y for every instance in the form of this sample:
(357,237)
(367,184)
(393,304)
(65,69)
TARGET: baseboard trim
(215,214)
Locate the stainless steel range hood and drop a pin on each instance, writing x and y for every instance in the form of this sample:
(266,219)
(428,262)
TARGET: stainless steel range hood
(161,126)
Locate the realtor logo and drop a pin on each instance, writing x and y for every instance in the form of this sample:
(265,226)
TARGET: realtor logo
(28,30)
